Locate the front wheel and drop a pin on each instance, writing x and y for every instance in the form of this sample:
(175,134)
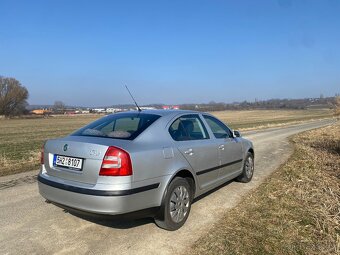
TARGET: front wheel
(176,205)
(248,169)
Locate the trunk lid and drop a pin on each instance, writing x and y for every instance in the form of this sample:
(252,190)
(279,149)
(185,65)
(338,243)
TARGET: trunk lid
(90,149)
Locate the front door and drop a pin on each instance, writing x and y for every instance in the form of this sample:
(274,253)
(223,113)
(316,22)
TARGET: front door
(230,148)
(201,152)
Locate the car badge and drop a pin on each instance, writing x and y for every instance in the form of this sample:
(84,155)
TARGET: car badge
(94,152)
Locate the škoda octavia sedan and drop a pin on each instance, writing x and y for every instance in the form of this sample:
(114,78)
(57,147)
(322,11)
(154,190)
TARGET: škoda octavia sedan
(131,161)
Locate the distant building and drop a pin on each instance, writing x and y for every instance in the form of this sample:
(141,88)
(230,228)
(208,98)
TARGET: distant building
(147,108)
(99,110)
(169,107)
(41,112)
(70,112)
(113,110)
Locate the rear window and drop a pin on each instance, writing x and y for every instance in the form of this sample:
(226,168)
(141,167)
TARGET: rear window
(125,126)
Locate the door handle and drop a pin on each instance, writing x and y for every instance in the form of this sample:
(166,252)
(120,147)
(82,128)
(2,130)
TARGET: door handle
(189,151)
(221,147)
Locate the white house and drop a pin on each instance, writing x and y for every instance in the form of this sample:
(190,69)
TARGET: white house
(113,110)
(99,110)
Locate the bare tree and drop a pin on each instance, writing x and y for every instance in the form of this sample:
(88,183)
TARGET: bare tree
(13,97)
(59,106)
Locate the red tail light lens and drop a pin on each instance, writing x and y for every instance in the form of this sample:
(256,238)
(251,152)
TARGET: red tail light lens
(116,162)
(42,154)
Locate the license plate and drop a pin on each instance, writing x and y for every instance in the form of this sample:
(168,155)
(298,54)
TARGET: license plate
(68,162)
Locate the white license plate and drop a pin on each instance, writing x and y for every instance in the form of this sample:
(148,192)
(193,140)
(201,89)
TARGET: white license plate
(68,162)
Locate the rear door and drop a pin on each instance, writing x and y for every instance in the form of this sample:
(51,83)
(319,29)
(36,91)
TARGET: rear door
(193,141)
(230,148)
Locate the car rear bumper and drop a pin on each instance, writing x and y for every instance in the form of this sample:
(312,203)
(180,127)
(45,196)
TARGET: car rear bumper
(100,201)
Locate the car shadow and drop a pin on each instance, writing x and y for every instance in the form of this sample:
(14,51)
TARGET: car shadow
(114,222)
(124,221)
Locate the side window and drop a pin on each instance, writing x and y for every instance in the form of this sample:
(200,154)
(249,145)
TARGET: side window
(188,127)
(217,127)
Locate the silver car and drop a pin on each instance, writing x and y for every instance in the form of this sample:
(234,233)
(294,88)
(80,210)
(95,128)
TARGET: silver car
(132,161)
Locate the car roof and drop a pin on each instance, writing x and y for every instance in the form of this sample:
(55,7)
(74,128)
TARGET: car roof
(164,112)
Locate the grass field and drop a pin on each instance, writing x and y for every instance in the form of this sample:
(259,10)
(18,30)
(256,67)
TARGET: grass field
(268,118)
(296,211)
(21,139)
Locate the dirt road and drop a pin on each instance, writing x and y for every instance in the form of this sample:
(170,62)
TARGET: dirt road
(28,225)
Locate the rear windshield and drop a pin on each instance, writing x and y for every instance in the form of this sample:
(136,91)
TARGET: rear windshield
(125,126)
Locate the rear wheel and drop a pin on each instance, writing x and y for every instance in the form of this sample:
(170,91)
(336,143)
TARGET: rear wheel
(176,205)
(248,169)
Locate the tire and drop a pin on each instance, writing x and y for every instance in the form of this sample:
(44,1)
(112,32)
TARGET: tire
(172,216)
(248,169)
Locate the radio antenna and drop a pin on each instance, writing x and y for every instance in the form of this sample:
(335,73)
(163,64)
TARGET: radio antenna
(139,109)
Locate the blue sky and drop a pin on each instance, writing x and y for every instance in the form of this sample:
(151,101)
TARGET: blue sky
(83,52)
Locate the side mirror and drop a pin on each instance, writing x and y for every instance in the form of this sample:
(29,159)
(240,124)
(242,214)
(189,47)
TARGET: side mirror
(237,133)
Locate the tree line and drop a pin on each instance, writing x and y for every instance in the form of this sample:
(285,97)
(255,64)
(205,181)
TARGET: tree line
(327,102)
(13,102)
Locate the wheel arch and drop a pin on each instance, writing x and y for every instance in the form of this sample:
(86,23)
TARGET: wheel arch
(251,150)
(188,175)
(184,173)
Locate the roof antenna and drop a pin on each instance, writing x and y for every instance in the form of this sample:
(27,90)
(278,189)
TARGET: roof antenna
(139,109)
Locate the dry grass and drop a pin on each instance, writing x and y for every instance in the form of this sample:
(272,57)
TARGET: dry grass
(21,139)
(296,211)
(246,120)
(337,106)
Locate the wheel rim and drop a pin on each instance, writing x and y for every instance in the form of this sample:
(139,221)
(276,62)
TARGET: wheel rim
(179,204)
(249,167)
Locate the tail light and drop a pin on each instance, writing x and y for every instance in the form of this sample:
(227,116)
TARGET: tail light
(42,154)
(116,162)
